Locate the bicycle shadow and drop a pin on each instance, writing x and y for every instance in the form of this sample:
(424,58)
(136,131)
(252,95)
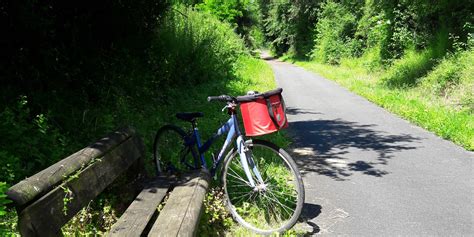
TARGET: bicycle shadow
(310,212)
(328,147)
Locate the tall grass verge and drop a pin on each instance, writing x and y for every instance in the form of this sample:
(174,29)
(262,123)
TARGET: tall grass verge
(415,64)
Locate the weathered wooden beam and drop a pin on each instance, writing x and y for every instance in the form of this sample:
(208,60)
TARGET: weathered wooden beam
(180,216)
(135,219)
(46,216)
(31,188)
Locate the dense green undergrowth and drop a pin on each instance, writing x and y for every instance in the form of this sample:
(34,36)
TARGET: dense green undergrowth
(440,99)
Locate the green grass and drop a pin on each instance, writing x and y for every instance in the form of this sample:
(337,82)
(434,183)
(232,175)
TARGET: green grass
(448,114)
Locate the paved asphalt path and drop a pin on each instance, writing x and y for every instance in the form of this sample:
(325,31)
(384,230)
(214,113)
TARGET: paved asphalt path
(368,172)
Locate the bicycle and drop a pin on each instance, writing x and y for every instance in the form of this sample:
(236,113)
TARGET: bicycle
(263,188)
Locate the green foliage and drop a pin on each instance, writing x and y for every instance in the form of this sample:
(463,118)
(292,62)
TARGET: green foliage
(396,26)
(257,37)
(335,27)
(243,15)
(68,197)
(370,59)
(229,10)
(3,199)
(415,64)
(29,142)
(208,48)
(453,80)
(215,219)
(408,69)
(96,218)
(288,25)
(379,30)
(4,222)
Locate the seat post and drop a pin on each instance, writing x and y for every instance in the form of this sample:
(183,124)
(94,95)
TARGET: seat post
(194,124)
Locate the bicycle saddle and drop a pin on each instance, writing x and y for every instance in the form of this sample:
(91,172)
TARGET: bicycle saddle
(189,116)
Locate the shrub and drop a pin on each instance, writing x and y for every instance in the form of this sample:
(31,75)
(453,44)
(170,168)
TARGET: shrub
(241,14)
(193,47)
(3,200)
(288,25)
(3,211)
(334,32)
(29,142)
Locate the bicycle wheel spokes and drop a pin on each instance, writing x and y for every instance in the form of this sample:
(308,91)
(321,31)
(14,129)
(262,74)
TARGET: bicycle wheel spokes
(170,151)
(270,206)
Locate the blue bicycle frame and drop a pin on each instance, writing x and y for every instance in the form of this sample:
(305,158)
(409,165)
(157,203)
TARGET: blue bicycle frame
(232,129)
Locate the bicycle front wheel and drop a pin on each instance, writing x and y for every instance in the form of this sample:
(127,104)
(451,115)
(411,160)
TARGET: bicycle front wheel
(273,206)
(171,154)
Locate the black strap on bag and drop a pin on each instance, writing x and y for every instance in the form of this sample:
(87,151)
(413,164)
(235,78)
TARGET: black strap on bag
(272,114)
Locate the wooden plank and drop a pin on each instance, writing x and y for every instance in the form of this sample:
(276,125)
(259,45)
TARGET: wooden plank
(135,219)
(180,216)
(31,188)
(49,213)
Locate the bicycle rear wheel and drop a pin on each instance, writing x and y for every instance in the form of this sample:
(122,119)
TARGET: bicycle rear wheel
(274,206)
(172,156)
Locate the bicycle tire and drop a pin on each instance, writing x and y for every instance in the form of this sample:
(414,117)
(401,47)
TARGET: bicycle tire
(259,218)
(171,154)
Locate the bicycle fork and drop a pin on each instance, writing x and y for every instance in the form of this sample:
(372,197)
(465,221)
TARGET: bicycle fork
(248,164)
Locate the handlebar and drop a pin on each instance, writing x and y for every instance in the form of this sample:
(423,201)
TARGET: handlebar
(244,98)
(224,98)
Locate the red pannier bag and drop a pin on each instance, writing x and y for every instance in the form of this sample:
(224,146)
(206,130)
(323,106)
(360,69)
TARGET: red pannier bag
(263,113)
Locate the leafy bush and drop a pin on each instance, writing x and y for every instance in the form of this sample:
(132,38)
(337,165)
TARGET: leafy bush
(29,142)
(241,14)
(228,11)
(334,31)
(257,37)
(193,48)
(288,25)
(3,211)
(3,200)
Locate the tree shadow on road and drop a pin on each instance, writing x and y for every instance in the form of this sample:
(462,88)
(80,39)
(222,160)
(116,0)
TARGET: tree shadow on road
(294,111)
(328,147)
